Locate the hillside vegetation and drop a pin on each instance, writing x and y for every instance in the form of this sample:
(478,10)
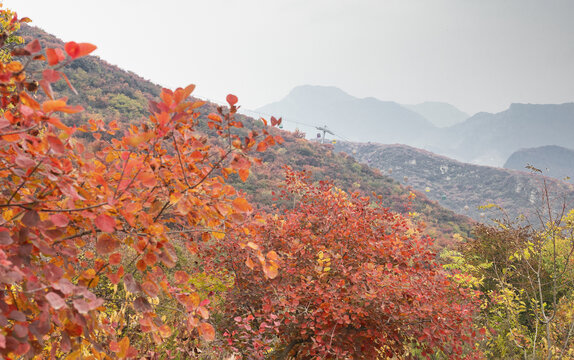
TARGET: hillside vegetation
(461,187)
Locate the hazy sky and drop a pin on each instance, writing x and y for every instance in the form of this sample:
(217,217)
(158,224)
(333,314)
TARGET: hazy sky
(479,55)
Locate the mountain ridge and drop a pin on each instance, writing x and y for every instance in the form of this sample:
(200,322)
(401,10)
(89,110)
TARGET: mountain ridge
(459,186)
(482,139)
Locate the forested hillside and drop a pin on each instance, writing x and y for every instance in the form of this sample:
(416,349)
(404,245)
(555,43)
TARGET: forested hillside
(463,188)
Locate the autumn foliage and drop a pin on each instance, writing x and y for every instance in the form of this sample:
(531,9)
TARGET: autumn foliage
(113,238)
(88,232)
(356,281)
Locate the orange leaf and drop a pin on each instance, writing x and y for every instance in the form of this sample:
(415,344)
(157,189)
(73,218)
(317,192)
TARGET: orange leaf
(271,271)
(165,331)
(241,205)
(206,331)
(148,179)
(76,50)
(214,117)
(124,346)
(243,174)
(252,245)
(262,146)
(60,105)
(150,258)
(140,265)
(29,101)
(115,259)
(58,124)
(249,263)
(54,56)
(53,105)
(272,255)
(181,277)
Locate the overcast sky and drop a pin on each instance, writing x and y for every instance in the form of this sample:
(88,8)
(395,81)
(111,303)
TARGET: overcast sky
(479,55)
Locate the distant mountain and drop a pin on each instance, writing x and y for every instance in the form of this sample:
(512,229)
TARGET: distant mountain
(483,139)
(489,139)
(458,186)
(553,161)
(349,117)
(439,113)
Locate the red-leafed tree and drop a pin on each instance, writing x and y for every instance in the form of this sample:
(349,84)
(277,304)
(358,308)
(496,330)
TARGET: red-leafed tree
(356,281)
(88,232)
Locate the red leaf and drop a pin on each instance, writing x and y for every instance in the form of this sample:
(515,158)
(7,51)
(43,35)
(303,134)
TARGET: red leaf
(31,218)
(70,84)
(55,300)
(5,238)
(105,223)
(59,220)
(106,244)
(56,144)
(231,99)
(142,305)
(76,50)
(34,46)
(51,75)
(24,162)
(115,259)
(54,56)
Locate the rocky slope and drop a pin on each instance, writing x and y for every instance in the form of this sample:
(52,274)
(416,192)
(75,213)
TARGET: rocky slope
(459,186)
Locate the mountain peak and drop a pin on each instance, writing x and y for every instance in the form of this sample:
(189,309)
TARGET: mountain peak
(318,93)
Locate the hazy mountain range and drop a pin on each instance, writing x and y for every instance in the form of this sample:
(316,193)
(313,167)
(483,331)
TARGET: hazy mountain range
(356,119)
(553,161)
(484,138)
(439,113)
